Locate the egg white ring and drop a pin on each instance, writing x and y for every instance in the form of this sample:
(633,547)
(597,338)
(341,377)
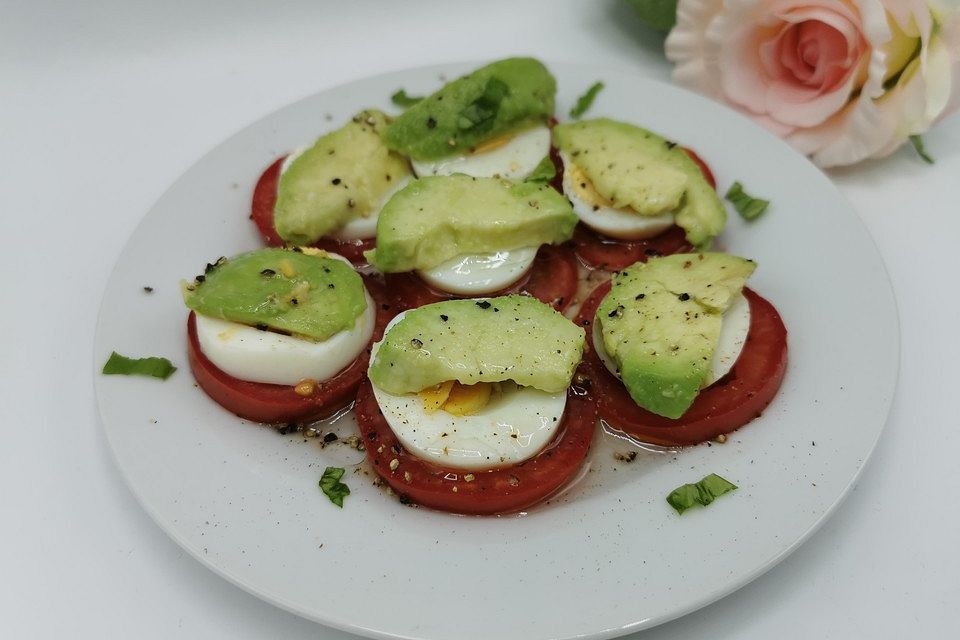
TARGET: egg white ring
(476,274)
(360,228)
(249,354)
(515,160)
(512,428)
(623,224)
(734,328)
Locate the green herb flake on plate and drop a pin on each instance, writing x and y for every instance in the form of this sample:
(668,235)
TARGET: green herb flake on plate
(702,493)
(585,101)
(331,486)
(747,206)
(401,99)
(124,366)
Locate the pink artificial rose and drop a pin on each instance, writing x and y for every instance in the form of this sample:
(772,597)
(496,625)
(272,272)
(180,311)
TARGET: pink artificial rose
(841,80)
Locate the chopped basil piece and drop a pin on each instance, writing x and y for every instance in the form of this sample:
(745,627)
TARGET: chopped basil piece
(401,99)
(584,101)
(543,172)
(746,205)
(702,493)
(334,489)
(917,142)
(483,110)
(124,366)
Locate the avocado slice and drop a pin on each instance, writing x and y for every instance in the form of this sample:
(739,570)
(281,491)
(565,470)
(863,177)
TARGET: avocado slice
(636,168)
(661,323)
(345,175)
(436,218)
(502,97)
(310,296)
(514,338)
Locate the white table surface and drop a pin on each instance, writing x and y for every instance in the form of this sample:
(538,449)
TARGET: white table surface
(103,106)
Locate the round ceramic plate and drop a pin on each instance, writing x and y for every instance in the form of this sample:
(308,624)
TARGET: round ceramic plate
(607,557)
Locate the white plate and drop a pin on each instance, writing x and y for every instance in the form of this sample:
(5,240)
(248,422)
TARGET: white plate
(607,558)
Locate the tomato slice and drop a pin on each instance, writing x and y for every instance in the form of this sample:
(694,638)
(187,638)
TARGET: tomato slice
(280,404)
(557,181)
(603,252)
(728,404)
(552,279)
(704,167)
(503,490)
(261,212)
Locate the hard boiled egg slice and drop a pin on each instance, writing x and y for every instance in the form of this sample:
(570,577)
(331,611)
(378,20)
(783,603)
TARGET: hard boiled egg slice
(359,228)
(597,212)
(250,354)
(514,425)
(265,356)
(511,158)
(475,274)
(733,335)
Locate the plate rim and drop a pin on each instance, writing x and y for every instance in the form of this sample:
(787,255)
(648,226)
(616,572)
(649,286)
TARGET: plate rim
(729,587)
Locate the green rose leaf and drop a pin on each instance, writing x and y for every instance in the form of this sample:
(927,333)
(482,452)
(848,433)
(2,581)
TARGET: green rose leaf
(659,14)
(918,146)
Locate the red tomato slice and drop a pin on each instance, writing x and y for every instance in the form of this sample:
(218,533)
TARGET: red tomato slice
(728,404)
(552,279)
(488,492)
(603,252)
(557,182)
(707,173)
(280,404)
(261,212)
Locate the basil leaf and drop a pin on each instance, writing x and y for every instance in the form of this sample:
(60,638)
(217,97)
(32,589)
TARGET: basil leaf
(659,14)
(917,142)
(334,489)
(401,99)
(746,205)
(684,497)
(716,486)
(703,493)
(543,172)
(483,110)
(122,365)
(586,100)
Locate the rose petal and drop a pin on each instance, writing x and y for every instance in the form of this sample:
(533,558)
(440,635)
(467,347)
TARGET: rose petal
(860,129)
(950,32)
(746,65)
(687,46)
(813,71)
(742,76)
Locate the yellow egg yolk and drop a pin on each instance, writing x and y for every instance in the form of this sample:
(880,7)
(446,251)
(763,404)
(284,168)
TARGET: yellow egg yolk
(492,143)
(455,398)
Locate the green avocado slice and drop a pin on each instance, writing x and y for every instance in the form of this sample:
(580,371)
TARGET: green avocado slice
(661,323)
(345,175)
(310,296)
(514,338)
(437,218)
(502,97)
(636,168)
